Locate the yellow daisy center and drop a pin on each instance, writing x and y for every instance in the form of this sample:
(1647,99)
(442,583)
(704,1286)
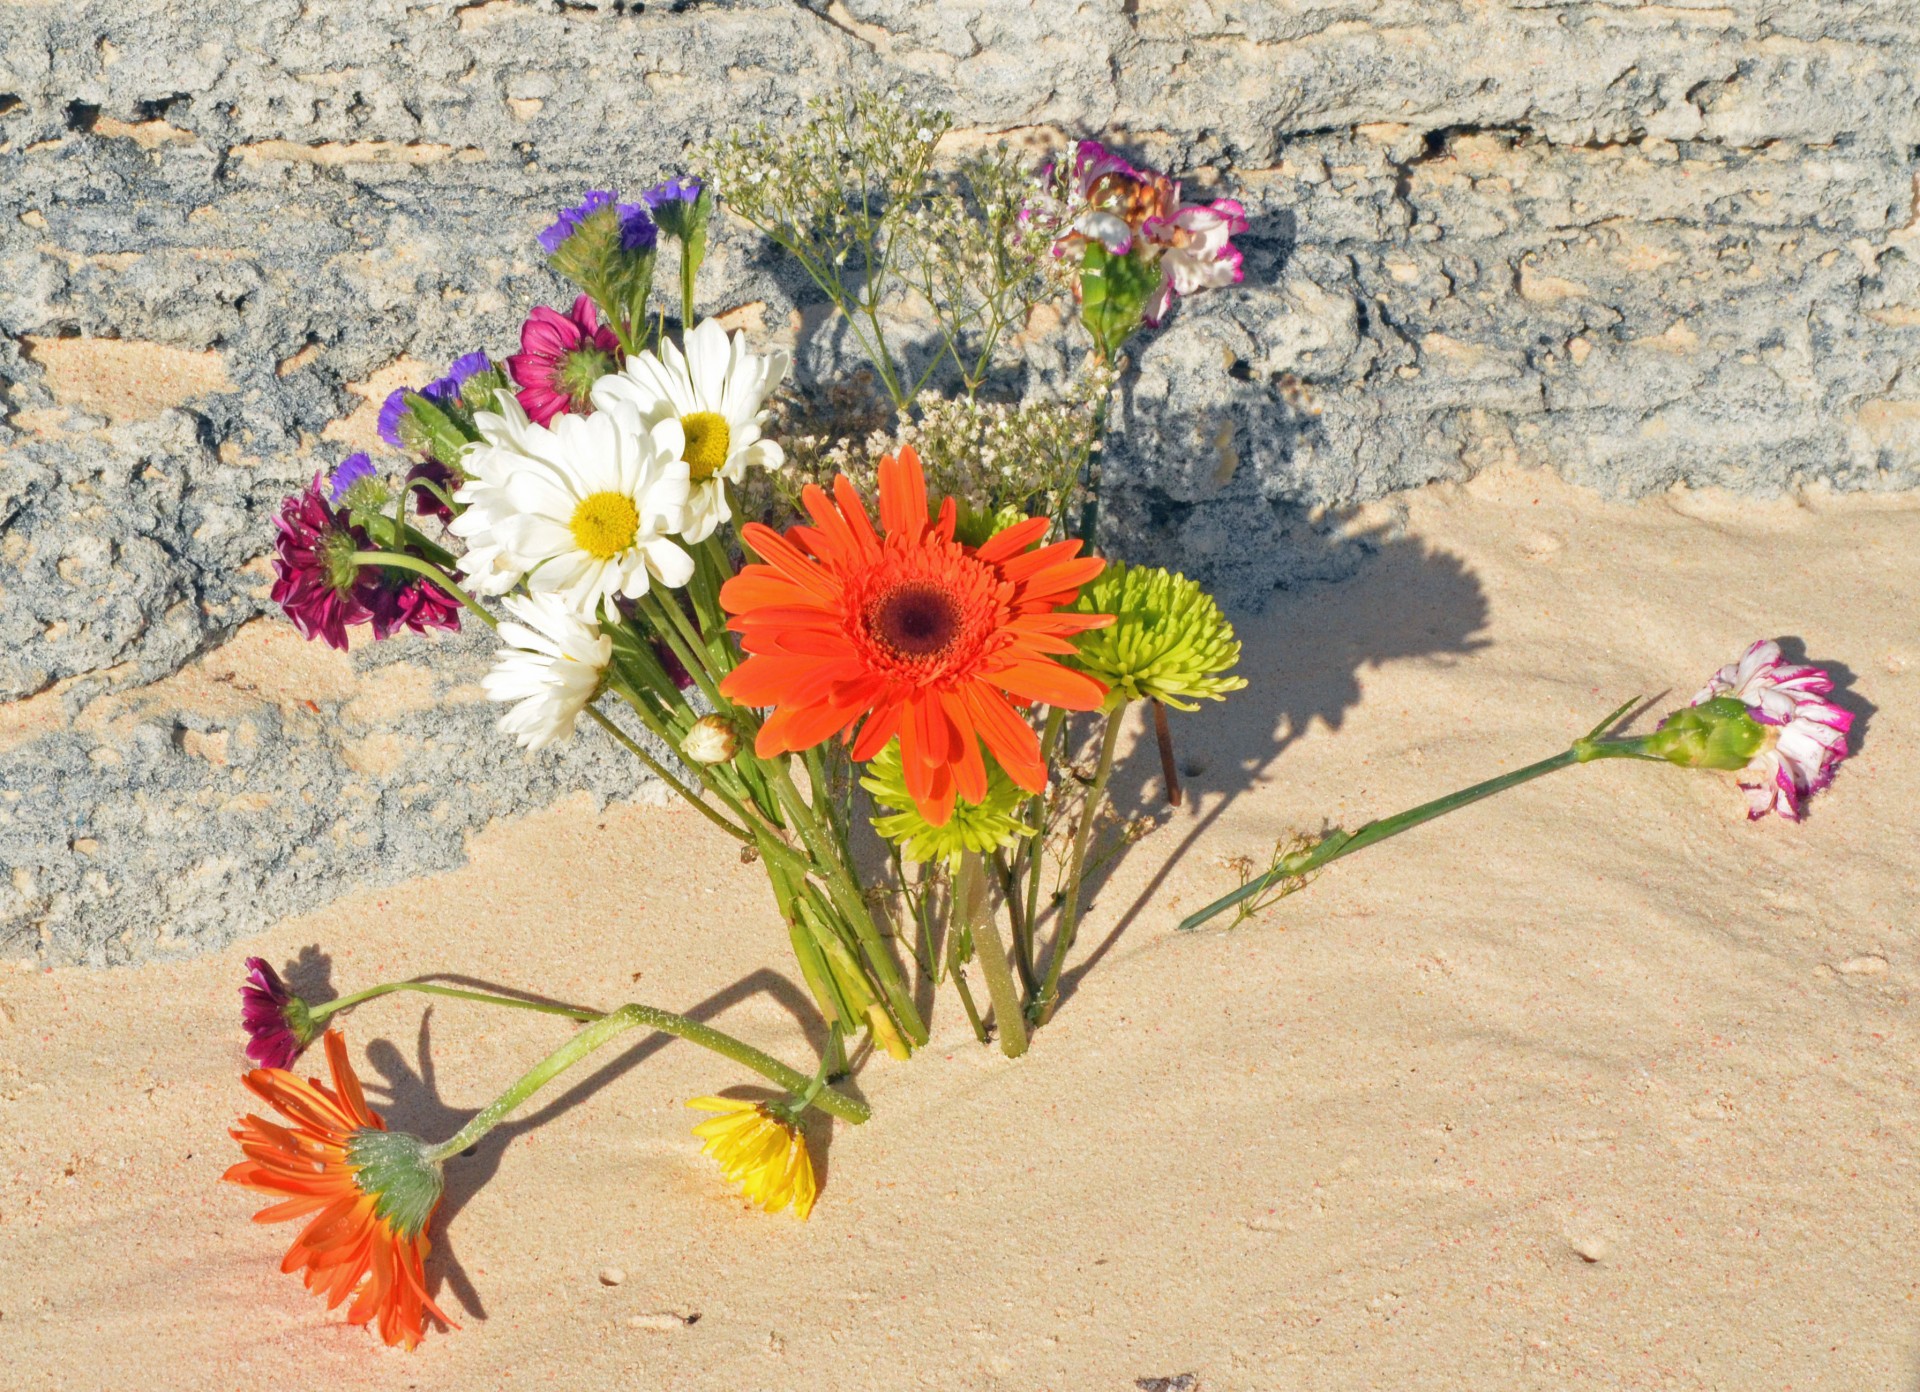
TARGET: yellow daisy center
(605,524)
(708,440)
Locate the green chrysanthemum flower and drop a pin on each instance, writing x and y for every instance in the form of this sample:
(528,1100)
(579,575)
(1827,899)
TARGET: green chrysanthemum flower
(983,826)
(1168,642)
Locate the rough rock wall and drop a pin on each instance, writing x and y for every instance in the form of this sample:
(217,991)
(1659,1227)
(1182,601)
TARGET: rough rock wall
(1642,244)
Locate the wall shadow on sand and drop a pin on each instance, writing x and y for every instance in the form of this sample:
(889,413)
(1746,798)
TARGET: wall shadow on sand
(1304,658)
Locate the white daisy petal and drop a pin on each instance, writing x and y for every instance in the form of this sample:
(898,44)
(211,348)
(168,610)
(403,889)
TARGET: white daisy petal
(717,376)
(574,510)
(549,668)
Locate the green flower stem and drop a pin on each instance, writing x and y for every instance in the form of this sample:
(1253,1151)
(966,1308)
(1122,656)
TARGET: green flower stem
(318,1013)
(427,547)
(973,912)
(660,771)
(957,969)
(710,569)
(848,899)
(688,267)
(1021,925)
(1070,911)
(608,1027)
(1340,843)
(671,623)
(401,561)
(1090,471)
(1037,848)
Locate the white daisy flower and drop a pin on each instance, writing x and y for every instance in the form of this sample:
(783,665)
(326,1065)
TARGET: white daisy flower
(550,668)
(717,391)
(585,509)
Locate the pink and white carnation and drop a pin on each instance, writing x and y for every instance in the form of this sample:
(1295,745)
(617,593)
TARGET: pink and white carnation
(1197,251)
(1808,732)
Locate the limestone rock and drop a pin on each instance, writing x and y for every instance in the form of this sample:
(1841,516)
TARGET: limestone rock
(1644,246)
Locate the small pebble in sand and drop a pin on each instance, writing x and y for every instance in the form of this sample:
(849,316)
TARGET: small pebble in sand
(1869,965)
(611,1275)
(658,1323)
(1589,1247)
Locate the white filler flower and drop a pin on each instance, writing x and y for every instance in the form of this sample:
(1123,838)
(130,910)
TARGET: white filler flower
(717,391)
(585,510)
(550,668)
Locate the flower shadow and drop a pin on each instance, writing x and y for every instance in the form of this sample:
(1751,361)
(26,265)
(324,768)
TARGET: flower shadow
(1305,660)
(409,1098)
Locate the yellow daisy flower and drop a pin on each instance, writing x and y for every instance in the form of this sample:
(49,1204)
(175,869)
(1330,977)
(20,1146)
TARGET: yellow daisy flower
(760,1151)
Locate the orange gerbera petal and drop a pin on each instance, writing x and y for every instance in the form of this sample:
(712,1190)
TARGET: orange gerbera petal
(346,1249)
(905,631)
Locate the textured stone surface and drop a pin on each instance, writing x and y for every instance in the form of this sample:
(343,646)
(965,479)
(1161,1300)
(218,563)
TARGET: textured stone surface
(1644,245)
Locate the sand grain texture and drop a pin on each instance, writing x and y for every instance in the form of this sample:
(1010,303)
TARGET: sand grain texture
(1595,1084)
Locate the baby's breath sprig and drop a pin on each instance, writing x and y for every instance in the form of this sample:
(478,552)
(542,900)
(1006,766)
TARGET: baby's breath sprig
(834,191)
(970,257)
(996,458)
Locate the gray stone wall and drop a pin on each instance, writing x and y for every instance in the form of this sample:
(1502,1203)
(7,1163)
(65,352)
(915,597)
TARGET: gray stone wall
(1644,245)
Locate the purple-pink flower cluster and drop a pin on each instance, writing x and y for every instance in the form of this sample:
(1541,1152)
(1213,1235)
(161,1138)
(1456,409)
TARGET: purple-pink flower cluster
(325,591)
(1131,211)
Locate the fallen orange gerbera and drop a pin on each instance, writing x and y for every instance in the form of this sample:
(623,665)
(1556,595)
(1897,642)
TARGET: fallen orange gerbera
(913,633)
(371,1191)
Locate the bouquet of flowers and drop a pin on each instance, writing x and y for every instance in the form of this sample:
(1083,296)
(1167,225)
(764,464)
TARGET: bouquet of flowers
(867,616)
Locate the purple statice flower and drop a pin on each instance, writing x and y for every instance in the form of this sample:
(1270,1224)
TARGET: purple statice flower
(1807,733)
(445,391)
(681,208)
(316,581)
(392,412)
(637,232)
(570,219)
(346,473)
(276,1020)
(675,190)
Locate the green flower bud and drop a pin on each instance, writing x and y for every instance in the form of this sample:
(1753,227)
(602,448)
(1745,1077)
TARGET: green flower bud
(1168,642)
(711,741)
(985,826)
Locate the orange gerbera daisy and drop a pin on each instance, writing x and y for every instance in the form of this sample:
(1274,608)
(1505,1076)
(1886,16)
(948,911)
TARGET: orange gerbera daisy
(910,634)
(371,1193)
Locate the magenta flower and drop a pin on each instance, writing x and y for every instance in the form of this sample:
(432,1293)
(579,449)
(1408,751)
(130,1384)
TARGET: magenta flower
(275,1019)
(1197,251)
(425,502)
(317,582)
(406,600)
(561,356)
(325,592)
(1807,734)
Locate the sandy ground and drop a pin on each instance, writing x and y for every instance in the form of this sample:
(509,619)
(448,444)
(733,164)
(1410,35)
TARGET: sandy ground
(1593,1085)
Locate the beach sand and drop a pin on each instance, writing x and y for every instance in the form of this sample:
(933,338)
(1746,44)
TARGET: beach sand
(1596,1084)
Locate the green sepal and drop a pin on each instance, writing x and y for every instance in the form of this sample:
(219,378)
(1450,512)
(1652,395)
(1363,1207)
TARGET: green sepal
(394,1168)
(429,429)
(1114,293)
(1716,734)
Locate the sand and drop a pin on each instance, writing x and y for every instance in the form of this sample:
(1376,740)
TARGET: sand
(1592,1085)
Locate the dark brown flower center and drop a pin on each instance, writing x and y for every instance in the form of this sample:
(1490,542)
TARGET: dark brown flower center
(915,620)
